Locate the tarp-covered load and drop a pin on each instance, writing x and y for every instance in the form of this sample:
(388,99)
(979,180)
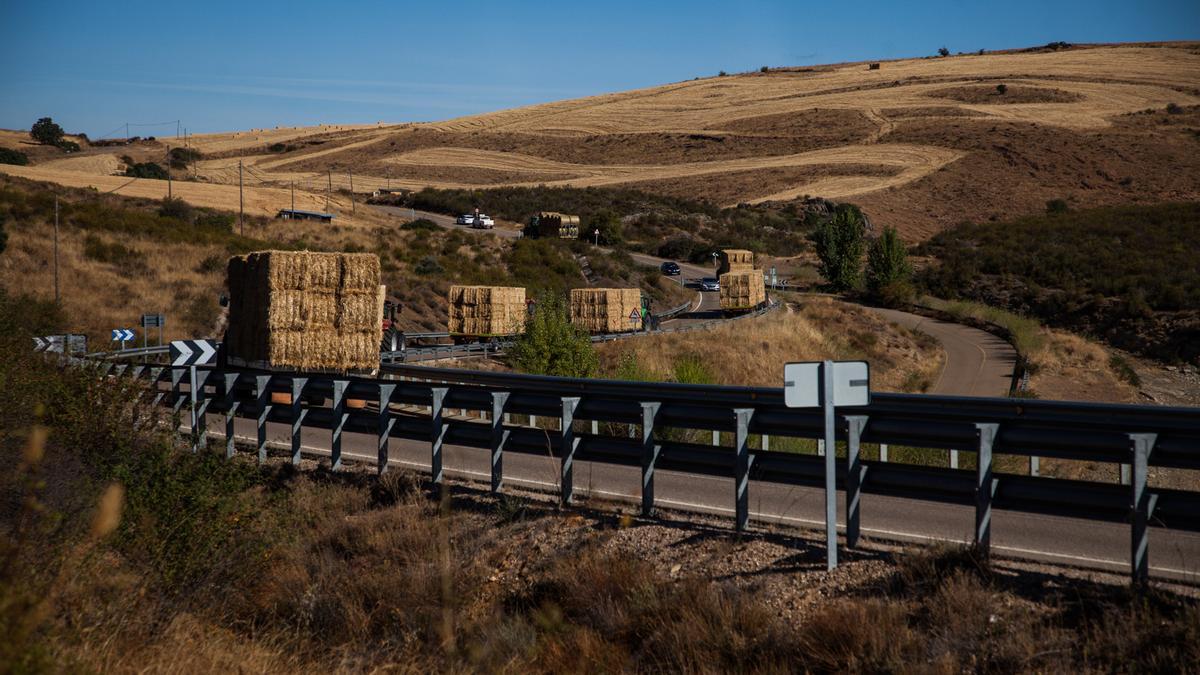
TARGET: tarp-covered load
(551,224)
(486,310)
(305,311)
(606,310)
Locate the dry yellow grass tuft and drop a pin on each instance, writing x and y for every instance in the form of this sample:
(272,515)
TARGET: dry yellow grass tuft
(753,351)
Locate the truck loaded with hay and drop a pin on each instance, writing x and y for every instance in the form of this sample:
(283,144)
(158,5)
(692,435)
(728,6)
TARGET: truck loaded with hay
(608,310)
(485,312)
(303,311)
(742,291)
(551,225)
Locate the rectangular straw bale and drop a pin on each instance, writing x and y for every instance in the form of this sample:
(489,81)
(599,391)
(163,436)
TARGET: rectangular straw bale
(734,260)
(359,311)
(360,272)
(486,310)
(605,310)
(742,290)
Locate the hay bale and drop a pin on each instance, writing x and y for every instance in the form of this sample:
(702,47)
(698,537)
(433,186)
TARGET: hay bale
(304,310)
(734,260)
(742,290)
(486,311)
(606,310)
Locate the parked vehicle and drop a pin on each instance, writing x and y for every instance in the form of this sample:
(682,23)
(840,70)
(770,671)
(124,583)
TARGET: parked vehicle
(483,222)
(671,269)
(465,219)
(710,284)
(549,224)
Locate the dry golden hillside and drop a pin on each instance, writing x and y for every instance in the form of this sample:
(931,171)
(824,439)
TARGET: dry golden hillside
(919,143)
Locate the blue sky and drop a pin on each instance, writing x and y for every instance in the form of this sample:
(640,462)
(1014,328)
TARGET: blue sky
(220,65)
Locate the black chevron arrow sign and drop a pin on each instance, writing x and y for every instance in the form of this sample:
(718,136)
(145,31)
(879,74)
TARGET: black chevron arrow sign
(192,352)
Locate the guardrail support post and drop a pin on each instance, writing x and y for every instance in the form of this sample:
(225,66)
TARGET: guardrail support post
(650,452)
(200,412)
(883,452)
(437,432)
(1035,465)
(765,442)
(953,459)
(176,399)
(231,406)
(741,468)
(830,451)
(263,383)
(595,427)
(1140,446)
(569,445)
(499,437)
(716,438)
(385,426)
(155,376)
(339,423)
(298,414)
(192,397)
(1125,478)
(855,473)
(985,486)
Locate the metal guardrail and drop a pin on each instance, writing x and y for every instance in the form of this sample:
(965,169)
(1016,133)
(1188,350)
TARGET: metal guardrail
(1134,436)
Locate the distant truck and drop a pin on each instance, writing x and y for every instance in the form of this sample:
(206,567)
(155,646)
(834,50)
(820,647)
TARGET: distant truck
(552,225)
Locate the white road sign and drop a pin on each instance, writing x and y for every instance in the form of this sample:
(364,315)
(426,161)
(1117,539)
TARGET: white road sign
(802,384)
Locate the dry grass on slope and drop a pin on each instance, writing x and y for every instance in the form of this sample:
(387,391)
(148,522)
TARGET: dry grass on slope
(753,351)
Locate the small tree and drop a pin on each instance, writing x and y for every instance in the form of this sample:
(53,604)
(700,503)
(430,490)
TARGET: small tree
(552,345)
(46,132)
(888,270)
(943,52)
(764,69)
(1002,89)
(839,242)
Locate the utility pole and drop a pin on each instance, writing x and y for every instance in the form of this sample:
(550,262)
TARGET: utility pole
(241,203)
(328,191)
(127,136)
(351,192)
(293,198)
(169,193)
(56,296)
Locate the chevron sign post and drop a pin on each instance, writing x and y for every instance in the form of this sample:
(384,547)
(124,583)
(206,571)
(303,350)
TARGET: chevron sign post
(192,352)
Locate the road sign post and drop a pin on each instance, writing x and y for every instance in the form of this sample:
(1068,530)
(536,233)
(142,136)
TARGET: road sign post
(122,335)
(152,321)
(828,384)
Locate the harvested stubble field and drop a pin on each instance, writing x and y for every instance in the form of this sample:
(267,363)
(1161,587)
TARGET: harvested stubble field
(921,143)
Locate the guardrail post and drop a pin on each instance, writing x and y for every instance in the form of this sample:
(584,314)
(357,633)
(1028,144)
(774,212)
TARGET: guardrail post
(176,399)
(765,442)
(437,433)
(820,447)
(263,383)
(883,452)
(231,406)
(298,414)
(595,428)
(339,423)
(385,426)
(155,376)
(192,398)
(716,437)
(650,452)
(200,411)
(830,448)
(1125,477)
(985,486)
(569,445)
(953,459)
(855,473)
(1140,446)
(741,468)
(1035,465)
(499,437)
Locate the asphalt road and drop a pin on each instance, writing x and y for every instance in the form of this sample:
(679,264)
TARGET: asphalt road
(1069,541)
(977,362)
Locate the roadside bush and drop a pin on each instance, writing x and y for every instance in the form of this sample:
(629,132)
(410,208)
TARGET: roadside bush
(421,224)
(839,244)
(1057,206)
(176,208)
(552,345)
(887,266)
(180,158)
(113,253)
(67,146)
(46,132)
(1002,89)
(146,170)
(9,156)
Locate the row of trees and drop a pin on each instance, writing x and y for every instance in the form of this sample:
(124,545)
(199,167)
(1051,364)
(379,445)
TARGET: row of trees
(840,242)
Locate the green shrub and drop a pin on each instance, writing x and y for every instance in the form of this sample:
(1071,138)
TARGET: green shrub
(211,264)
(9,156)
(1002,89)
(113,253)
(942,51)
(146,170)
(839,243)
(1057,206)
(180,158)
(421,224)
(176,208)
(46,132)
(67,146)
(1124,369)
(888,270)
(691,369)
(552,345)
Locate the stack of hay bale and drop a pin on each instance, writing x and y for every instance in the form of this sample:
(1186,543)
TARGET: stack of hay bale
(305,311)
(742,285)
(606,310)
(486,311)
(734,260)
(552,224)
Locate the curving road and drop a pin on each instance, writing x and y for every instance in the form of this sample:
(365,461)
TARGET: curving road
(977,362)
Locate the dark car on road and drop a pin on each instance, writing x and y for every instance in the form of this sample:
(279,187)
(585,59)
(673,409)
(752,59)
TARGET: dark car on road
(671,269)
